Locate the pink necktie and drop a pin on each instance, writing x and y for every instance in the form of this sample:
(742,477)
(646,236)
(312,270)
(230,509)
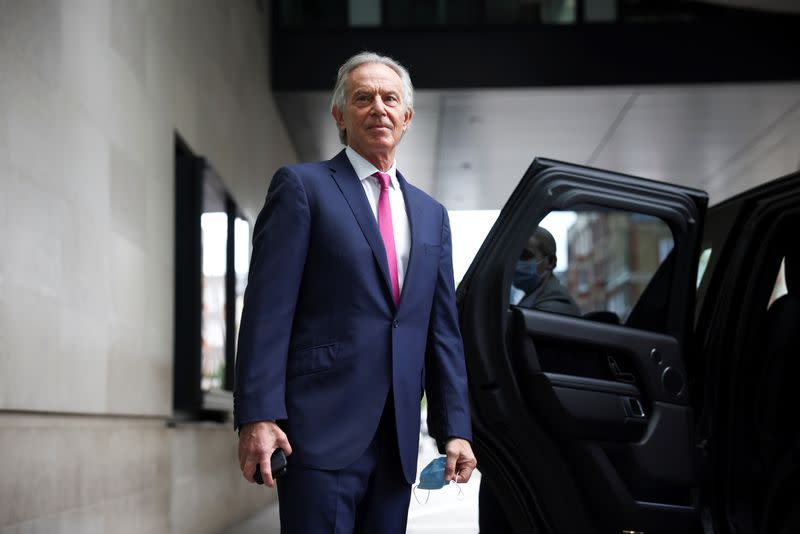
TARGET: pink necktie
(387,231)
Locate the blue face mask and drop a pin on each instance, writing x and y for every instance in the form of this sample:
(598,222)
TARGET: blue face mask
(526,275)
(432,478)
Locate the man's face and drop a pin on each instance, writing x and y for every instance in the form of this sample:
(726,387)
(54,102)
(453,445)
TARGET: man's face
(544,262)
(374,114)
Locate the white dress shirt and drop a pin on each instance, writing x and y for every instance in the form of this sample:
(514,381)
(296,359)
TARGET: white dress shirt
(402,230)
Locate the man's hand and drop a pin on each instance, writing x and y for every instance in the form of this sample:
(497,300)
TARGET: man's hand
(257,442)
(460,460)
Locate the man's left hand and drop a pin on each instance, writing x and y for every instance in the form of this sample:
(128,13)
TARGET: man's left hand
(460,460)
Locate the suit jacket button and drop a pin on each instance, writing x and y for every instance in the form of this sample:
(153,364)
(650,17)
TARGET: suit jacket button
(395,323)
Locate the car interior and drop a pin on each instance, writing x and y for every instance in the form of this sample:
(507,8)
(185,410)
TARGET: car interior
(764,434)
(745,364)
(776,401)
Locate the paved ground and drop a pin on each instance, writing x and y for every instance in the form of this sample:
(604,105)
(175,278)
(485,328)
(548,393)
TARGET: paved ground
(266,522)
(445,511)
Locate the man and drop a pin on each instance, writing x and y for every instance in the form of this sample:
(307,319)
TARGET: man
(540,288)
(349,312)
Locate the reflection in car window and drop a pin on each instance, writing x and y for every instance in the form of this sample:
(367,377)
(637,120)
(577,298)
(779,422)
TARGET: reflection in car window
(702,264)
(535,286)
(780,285)
(590,263)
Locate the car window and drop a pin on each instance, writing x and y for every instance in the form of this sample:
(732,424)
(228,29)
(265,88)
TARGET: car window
(592,263)
(779,289)
(716,232)
(702,264)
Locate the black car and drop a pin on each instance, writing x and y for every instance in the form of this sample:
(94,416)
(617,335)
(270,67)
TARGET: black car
(668,405)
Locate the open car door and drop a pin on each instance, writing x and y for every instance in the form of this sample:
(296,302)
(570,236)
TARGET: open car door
(582,421)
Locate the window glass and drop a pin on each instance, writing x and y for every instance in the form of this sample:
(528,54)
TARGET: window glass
(780,284)
(702,264)
(590,263)
(343,14)
(241,232)
(212,248)
(214,225)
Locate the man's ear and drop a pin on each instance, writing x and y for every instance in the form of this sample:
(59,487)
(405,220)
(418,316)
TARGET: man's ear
(407,118)
(338,116)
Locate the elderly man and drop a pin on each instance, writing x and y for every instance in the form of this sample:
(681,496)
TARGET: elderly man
(349,315)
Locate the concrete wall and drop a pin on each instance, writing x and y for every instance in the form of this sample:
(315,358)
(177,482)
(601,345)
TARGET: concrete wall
(91,93)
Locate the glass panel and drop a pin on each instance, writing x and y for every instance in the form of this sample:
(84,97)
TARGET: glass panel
(590,263)
(512,12)
(558,11)
(214,228)
(241,232)
(343,14)
(414,12)
(600,10)
(702,264)
(463,12)
(364,13)
(313,13)
(780,284)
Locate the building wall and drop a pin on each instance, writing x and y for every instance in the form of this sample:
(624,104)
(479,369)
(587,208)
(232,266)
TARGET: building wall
(91,95)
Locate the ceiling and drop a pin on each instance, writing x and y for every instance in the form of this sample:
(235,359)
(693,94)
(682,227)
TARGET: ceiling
(469,148)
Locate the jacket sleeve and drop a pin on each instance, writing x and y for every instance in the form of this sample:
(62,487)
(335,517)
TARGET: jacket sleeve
(445,369)
(280,245)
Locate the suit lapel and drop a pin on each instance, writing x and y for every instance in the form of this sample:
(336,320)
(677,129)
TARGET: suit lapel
(413,212)
(345,177)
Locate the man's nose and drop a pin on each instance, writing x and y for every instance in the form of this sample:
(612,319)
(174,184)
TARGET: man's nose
(378,107)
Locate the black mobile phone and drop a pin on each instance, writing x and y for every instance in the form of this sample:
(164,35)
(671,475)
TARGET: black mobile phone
(278,465)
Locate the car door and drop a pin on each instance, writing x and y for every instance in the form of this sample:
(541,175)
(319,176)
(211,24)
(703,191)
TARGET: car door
(745,397)
(582,423)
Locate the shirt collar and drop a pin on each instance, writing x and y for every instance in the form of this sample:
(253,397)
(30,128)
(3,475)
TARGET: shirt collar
(364,169)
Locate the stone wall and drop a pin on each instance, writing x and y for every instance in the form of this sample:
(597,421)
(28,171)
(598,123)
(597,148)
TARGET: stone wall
(92,93)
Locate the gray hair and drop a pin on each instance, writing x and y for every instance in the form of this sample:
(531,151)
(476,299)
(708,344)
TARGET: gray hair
(362,58)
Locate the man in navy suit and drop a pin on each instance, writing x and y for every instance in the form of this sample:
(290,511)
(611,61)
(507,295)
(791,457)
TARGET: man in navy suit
(349,315)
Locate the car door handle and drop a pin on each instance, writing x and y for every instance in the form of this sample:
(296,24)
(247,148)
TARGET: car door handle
(634,408)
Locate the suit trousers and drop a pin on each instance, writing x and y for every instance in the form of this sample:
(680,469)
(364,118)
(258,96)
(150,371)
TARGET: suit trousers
(370,496)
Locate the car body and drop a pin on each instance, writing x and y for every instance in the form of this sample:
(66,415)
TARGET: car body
(677,416)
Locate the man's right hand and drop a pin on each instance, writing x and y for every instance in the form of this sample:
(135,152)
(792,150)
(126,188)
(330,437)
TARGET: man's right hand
(257,442)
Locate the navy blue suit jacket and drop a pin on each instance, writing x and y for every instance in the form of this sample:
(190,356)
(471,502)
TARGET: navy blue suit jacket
(321,341)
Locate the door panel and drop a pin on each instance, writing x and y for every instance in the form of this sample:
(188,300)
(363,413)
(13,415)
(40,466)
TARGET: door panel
(583,425)
(609,411)
(655,360)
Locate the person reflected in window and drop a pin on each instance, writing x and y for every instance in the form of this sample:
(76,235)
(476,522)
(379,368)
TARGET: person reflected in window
(535,286)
